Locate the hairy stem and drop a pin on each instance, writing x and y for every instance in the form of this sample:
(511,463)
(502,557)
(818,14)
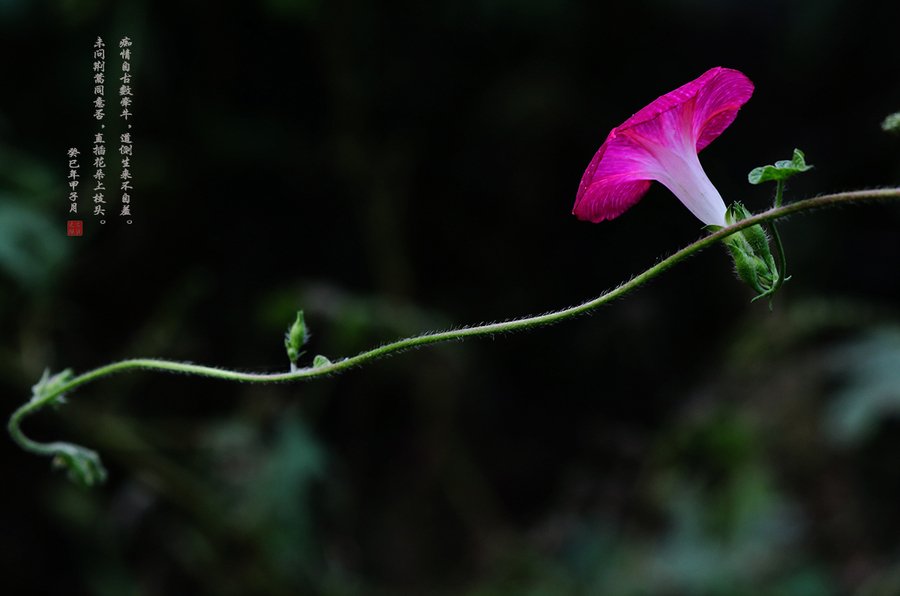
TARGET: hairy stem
(54,395)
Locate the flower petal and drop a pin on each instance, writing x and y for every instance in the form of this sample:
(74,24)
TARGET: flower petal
(672,99)
(660,142)
(684,176)
(718,102)
(609,198)
(617,178)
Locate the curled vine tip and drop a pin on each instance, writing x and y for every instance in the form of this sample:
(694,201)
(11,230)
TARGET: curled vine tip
(83,465)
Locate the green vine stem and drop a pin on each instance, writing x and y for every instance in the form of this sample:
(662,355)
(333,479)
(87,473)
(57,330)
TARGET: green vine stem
(779,192)
(51,390)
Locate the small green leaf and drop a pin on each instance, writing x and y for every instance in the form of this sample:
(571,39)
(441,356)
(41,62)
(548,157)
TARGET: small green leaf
(48,385)
(82,465)
(320,360)
(782,170)
(891,123)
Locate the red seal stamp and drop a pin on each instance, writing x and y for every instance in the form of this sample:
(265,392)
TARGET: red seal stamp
(74,228)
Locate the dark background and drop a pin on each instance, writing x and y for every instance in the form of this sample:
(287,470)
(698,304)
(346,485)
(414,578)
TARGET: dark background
(399,167)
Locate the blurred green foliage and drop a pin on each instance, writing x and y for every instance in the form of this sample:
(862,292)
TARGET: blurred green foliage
(32,252)
(870,393)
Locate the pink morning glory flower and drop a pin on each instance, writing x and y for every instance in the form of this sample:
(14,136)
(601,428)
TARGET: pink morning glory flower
(661,143)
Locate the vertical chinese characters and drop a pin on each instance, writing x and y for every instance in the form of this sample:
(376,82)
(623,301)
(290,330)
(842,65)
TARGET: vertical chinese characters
(125,150)
(99,149)
(73,154)
(99,164)
(99,70)
(121,128)
(125,100)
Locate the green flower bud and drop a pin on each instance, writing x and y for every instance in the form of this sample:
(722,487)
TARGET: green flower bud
(295,338)
(753,260)
(758,241)
(749,268)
